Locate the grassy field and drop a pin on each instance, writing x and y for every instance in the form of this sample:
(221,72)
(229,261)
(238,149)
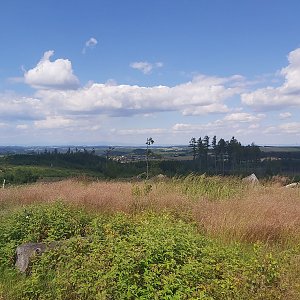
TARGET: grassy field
(183,238)
(280,149)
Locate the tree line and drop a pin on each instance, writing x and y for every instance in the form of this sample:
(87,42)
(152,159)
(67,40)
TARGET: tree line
(209,155)
(221,156)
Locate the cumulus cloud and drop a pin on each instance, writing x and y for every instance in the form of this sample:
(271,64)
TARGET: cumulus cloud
(84,109)
(89,44)
(145,67)
(201,95)
(288,94)
(52,75)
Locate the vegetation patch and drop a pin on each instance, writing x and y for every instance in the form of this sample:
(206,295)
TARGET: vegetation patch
(143,256)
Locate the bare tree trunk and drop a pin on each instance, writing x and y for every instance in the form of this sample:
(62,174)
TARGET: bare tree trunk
(147,162)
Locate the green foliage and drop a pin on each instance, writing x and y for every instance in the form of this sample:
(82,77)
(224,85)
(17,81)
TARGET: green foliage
(146,256)
(39,223)
(18,175)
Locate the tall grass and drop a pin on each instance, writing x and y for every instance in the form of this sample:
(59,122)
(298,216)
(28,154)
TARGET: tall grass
(211,188)
(224,208)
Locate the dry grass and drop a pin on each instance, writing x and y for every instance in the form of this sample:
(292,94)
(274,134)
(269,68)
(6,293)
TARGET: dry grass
(102,196)
(263,214)
(268,214)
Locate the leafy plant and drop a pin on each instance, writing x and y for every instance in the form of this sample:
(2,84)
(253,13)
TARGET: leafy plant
(38,223)
(146,256)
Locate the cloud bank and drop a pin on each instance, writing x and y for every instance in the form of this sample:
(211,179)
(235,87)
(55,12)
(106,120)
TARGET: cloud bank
(202,95)
(61,105)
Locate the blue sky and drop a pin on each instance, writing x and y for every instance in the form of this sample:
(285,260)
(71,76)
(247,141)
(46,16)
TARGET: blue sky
(116,72)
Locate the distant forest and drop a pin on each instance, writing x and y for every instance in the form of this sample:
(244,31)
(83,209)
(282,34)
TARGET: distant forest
(232,158)
(203,155)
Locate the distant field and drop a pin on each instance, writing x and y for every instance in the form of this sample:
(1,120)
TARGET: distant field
(279,149)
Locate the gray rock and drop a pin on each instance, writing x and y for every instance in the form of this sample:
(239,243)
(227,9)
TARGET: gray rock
(251,179)
(26,251)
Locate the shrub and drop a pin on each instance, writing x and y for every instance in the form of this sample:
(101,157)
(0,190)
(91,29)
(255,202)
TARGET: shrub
(38,223)
(146,256)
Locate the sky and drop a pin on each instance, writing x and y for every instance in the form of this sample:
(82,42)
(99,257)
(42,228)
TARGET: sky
(115,72)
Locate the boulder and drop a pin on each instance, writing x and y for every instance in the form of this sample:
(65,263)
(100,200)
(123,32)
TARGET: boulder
(26,251)
(251,179)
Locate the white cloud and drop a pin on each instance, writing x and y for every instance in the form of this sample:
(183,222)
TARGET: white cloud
(54,122)
(201,95)
(285,115)
(231,124)
(14,107)
(89,44)
(293,127)
(52,75)
(243,117)
(143,131)
(206,109)
(288,94)
(52,114)
(285,128)
(145,67)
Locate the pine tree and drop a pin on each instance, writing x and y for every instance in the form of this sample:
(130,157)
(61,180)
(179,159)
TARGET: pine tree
(214,146)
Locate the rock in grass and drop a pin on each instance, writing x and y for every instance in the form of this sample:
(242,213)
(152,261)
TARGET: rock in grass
(26,251)
(251,179)
(293,185)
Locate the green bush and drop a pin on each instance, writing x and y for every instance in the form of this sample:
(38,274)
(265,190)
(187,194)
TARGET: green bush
(18,175)
(120,257)
(38,223)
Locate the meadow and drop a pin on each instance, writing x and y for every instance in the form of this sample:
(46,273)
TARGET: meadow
(193,237)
